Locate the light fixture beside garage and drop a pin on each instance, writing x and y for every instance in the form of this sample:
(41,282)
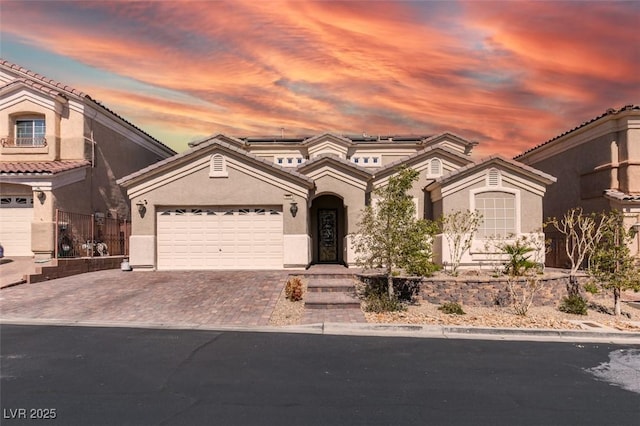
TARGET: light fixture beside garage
(294,208)
(142,207)
(40,194)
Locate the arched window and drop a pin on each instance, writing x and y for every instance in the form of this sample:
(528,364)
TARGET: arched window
(498,210)
(218,166)
(435,167)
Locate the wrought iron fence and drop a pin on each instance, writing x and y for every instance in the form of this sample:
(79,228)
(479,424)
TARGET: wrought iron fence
(83,235)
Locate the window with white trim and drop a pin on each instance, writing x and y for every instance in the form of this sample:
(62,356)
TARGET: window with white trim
(498,210)
(218,166)
(368,161)
(293,161)
(29,131)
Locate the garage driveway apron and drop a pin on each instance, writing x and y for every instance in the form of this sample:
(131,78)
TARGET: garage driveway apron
(235,298)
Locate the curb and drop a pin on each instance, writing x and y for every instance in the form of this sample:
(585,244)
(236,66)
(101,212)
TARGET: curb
(380,330)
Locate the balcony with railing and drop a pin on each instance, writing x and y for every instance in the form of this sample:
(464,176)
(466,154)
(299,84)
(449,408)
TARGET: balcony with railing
(22,142)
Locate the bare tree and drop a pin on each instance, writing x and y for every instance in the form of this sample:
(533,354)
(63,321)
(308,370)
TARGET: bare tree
(459,228)
(582,234)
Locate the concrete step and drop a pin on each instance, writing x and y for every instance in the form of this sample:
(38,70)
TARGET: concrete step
(330,300)
(324,285)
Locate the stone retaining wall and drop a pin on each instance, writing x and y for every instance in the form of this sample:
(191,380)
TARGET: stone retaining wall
(67,267)
(481,291)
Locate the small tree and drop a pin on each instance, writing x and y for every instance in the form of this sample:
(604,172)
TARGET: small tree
(391,236)
(522,270)
(582,233)
(611,263)
(458,228)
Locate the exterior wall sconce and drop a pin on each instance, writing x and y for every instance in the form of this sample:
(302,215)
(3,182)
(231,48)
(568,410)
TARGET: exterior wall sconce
(41,195)
(635,229)
(294,208)
(142,207)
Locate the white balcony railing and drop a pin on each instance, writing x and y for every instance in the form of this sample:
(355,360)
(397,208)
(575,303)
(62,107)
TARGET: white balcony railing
(36,142)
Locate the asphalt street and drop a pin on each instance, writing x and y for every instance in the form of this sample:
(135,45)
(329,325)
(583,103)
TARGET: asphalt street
(122,376)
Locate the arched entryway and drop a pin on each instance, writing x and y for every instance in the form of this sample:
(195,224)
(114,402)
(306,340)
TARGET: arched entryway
(328,225)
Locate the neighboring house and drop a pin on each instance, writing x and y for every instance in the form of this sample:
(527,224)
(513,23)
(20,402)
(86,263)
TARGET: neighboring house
(272,203)
(60,149)
(598,168)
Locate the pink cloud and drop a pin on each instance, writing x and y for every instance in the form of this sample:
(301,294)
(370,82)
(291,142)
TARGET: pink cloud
(510,75)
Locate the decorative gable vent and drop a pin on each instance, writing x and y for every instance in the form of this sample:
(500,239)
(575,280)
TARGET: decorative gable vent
(218,166)
(435,167)
(493,178)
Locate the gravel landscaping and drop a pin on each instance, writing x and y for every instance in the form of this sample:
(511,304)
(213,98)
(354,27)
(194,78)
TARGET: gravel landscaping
(423,312)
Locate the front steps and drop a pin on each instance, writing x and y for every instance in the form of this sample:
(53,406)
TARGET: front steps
(331,293)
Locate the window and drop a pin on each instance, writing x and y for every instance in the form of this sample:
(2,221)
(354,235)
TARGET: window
(288,161)
(366,161)
(498,211)
(218,166)
(30,131)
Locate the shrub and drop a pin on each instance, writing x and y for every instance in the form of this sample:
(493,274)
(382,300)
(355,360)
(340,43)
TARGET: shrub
(293,289)
(574,304)
(405,289)
(382,302)
(452,308)
(591,287)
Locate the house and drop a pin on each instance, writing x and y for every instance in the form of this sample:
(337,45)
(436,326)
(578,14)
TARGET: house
(60,150)
(598,168)
(273,203)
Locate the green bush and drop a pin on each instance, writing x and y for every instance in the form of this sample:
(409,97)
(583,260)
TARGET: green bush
(452,308)
(591,287)
(381,302)
(574,304)
(293,290)
(406,289)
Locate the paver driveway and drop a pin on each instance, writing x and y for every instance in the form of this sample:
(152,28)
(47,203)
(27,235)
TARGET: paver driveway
(176,298)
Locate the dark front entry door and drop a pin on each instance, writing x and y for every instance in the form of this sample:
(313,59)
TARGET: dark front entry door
(327,235)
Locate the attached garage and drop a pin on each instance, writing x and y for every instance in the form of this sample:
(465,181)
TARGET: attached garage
(16,214)
(220,238)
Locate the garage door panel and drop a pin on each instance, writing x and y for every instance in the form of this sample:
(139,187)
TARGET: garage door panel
(16,215)
(220,238)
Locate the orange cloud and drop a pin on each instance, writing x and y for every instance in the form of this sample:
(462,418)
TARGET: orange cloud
(509,75)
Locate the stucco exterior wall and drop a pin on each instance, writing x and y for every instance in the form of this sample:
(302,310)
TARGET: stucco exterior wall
(114,156)
(198,189)
(353,198)
(23,108)
(583,173)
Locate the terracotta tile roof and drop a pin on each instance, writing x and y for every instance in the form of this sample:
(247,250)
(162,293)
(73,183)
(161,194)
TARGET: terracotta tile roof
(40,167)
(33,76)
(49,86)
(610,111)
(621,196)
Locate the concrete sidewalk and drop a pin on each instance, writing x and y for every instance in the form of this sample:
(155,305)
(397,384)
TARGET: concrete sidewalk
(13,269)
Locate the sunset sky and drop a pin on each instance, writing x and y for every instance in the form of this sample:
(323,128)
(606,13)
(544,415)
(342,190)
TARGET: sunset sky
(509,75)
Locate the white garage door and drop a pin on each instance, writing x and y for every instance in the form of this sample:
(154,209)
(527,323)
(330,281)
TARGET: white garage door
(220,238)
(16,214)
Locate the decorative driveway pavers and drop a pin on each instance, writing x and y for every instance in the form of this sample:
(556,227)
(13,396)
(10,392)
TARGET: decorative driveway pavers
(232,298)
